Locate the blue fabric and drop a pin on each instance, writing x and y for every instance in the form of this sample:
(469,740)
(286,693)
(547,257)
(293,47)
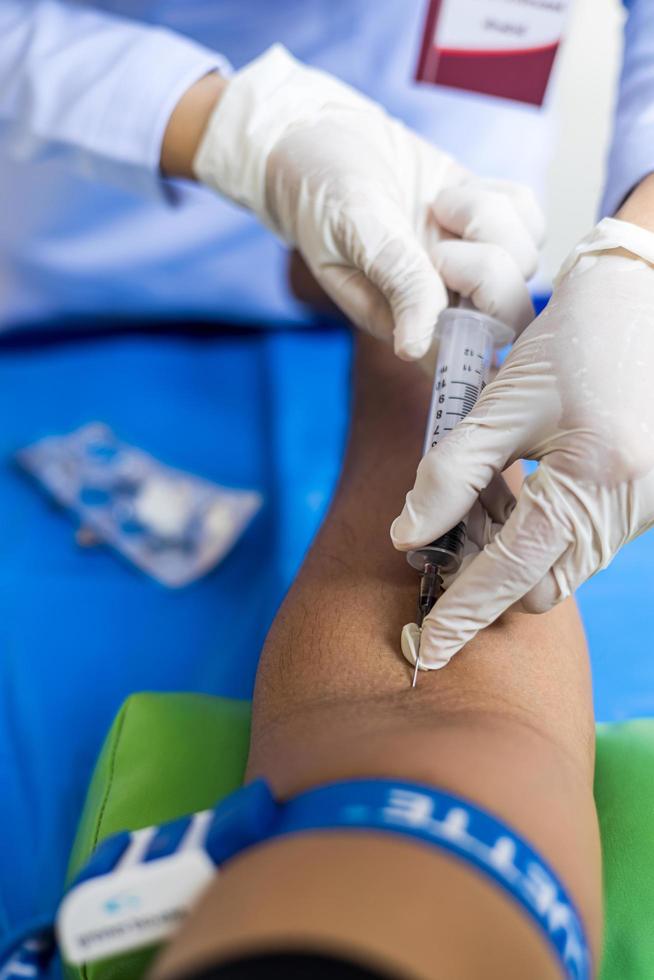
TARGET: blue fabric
(80,629)
(31,957)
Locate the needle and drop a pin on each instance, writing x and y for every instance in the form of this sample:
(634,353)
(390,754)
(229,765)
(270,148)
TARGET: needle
(415,672)
(431,586)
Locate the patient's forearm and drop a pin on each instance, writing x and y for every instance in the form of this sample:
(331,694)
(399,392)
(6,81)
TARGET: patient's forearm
(337,632)
(336,637)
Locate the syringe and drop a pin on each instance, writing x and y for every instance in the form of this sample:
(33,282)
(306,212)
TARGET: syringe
(467,340)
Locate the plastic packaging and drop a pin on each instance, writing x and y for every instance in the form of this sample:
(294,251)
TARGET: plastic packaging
(171,524)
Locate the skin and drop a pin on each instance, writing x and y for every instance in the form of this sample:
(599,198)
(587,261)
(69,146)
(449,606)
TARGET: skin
(187,124)
(508,724)
(639,205)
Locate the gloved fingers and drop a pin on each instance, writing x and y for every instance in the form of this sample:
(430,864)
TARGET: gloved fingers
(489,276)
(498,500)
(433,168)
(517,558)
(480,531)
(451,476)
(552,589)
(393,260)
(360,301)
(479,213)
(574,566)
(486,518)
(525,203)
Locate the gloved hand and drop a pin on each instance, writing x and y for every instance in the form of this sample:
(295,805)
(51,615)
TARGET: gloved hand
(575,394)
(373,208)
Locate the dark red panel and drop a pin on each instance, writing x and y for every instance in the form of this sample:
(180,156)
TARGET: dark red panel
(518,75)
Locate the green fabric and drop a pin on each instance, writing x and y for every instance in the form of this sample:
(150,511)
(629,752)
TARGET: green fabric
(166,755)
(624,793)
(171,754)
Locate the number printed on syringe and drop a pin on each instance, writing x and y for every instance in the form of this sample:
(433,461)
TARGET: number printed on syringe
(465,391)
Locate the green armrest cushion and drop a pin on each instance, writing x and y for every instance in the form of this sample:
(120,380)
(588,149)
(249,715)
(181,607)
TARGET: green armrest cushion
(624,794)
(166,755)
(171,754)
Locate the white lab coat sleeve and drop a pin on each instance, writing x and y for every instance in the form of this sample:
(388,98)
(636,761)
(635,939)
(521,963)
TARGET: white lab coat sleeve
(632,150)
(92,89)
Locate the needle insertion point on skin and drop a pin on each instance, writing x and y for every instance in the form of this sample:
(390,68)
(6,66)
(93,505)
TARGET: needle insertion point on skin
(410,643)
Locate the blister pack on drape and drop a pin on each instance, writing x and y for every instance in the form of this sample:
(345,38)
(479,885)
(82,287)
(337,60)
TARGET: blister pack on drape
(171,524)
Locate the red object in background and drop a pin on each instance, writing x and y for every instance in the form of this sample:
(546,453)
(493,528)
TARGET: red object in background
(519,73)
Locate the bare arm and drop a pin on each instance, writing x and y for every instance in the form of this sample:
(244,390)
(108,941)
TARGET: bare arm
(639,206)
(187,124)
(508,724)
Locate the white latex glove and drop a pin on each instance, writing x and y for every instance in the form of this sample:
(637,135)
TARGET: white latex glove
(575,394)
(372,207)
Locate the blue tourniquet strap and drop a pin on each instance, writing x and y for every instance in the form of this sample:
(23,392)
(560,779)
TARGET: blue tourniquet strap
(442,820)
(429,816)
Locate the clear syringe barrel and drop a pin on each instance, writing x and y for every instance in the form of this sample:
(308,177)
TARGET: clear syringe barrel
(467,340)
